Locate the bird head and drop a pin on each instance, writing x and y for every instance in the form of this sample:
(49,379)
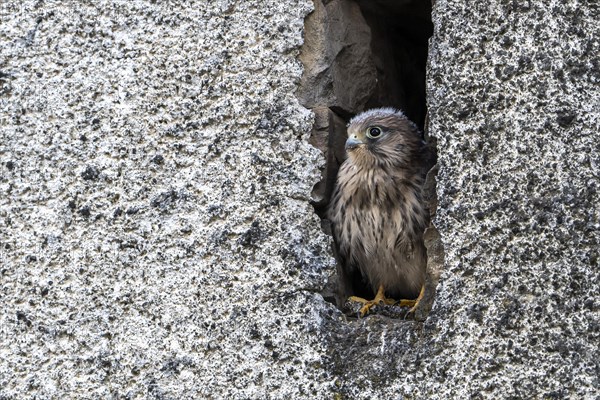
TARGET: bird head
(383,137)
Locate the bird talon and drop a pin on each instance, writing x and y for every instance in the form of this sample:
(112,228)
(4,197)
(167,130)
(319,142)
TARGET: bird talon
(368,304)
(358,299)
(380,298)
(417,300)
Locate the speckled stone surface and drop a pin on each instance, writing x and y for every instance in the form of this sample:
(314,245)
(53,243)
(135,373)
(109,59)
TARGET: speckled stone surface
(156,236)
(515,106)
(157,239)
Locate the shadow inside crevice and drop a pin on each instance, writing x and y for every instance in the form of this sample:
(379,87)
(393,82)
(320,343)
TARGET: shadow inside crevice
(400,32)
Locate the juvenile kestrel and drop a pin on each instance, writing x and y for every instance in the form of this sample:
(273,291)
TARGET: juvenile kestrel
(377,209)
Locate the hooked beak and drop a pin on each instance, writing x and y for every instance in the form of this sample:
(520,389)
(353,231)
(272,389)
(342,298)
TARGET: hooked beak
(352,143)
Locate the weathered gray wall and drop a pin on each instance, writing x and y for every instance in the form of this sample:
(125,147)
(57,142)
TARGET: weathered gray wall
(515,106)
(156,235)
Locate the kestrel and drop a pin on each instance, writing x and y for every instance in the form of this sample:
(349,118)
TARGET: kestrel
(377,209)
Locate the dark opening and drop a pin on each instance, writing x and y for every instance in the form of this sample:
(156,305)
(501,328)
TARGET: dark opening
(400,31)
(358,55)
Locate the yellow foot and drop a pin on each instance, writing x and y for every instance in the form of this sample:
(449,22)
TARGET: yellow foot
(379,298)
(417,300)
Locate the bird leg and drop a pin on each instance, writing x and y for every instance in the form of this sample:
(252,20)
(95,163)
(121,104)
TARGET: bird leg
(380,297)
(417,300)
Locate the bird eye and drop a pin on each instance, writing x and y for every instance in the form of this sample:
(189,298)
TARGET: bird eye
(374,132)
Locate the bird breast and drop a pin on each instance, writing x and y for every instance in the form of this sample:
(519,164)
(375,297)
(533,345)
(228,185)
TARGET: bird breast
(378,221)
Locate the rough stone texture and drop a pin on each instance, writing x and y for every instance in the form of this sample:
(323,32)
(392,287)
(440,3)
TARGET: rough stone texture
(156,235)
(157,239)
(339,70)
(360,55)
(514,104)
(328,135)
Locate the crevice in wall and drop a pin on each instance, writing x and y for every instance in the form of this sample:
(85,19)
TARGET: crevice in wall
(357,55)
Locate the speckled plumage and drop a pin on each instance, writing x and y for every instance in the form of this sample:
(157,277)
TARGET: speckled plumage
(377,210)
